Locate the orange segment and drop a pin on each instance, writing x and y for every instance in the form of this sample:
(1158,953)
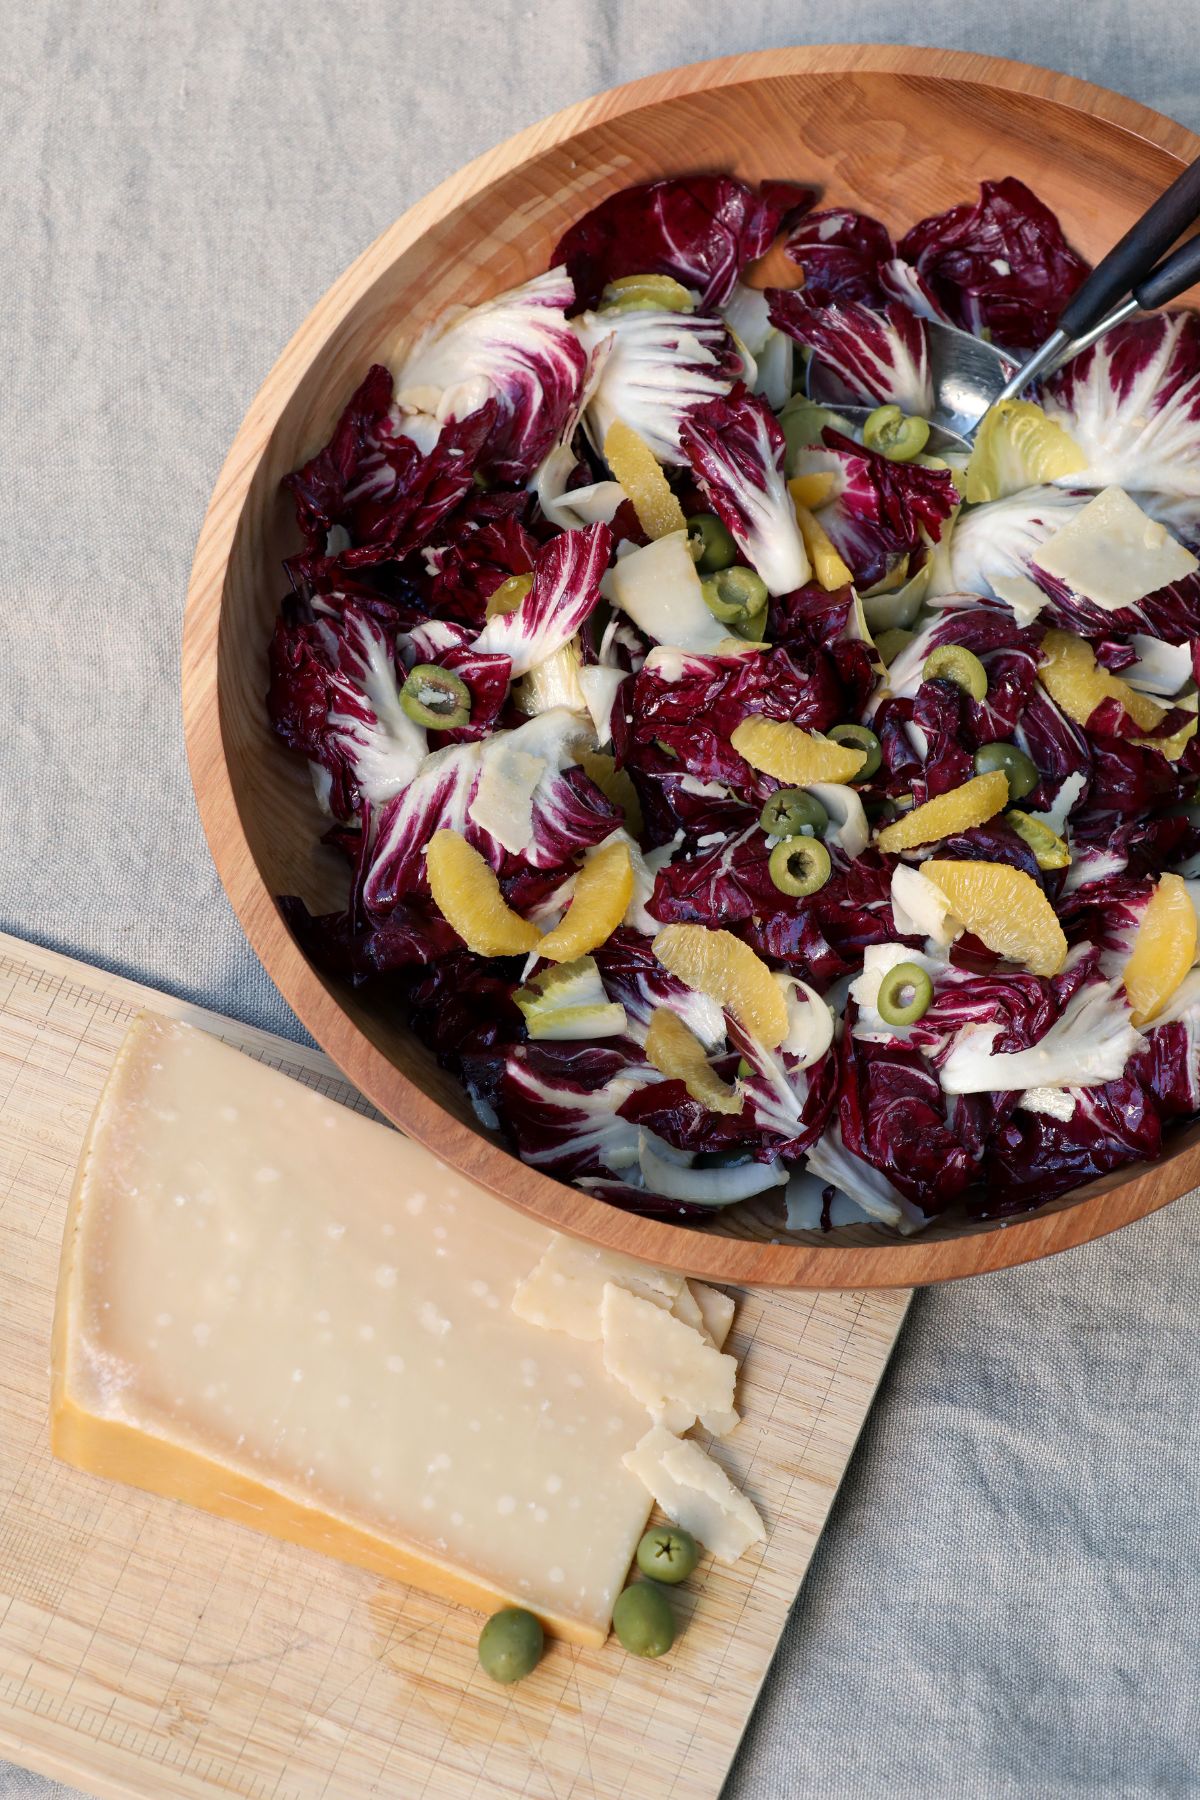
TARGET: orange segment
(1006,910)
(792,755)
(720,965)
(678,1053)
(1075,681)
(468,895)
(1163,950)
(827,565)
(811,490)
(603,889)
(959,809)
(635,466)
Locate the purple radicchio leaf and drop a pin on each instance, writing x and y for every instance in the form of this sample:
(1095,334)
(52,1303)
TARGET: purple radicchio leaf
(1000,266)
(884,510)
(517,353)
(841,252)
(702,229)
(736,448)
(566,586)
(880,357)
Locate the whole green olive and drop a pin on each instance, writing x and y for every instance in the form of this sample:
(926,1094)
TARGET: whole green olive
(1021,770)
(643,1620)
(511,1644)
(667,1553)
(712,542)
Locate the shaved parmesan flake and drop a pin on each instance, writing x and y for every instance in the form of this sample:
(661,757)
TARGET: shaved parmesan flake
(1114,554)
(564,1291)
(503,802)
(660,590)
(663,1362)
(696,1493)
(716,1309)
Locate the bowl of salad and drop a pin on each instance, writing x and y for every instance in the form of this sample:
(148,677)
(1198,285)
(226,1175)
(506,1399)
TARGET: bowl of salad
(715,822)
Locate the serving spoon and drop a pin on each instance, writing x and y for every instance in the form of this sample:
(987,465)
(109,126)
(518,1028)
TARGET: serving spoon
(969,375)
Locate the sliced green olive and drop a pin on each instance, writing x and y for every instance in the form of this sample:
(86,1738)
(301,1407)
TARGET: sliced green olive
(734,595)
(860,737)
(905,994)
(436,698)
(646,293)
(1021,770)
(790,811)
(511,1644)
(712,543)
(509,595)
(898,436)
(753,629)
(667,1553)
(952,663)
(643,1621)
(799,866)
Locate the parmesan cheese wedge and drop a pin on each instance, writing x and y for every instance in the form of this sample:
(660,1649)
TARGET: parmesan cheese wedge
(293,1317)
(716,1311)
(1114,554)
(695,1492)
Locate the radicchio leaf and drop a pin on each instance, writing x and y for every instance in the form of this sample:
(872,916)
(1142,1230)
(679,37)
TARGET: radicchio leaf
(880,357)
(883,508)
(566,586)
(655,367)
(736,448)
(517,352)
(1000,266)
(702,229)
(840,252)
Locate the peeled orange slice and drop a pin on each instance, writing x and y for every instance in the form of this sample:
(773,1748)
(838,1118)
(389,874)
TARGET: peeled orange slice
(1163,950)
(603,889)
(1017,446)
(1006,910)
(792,755)
(678,1053)
(811,490)
(635,466)
(720,965)
(959,809)
(827,565)
(468,894)
(1075,681)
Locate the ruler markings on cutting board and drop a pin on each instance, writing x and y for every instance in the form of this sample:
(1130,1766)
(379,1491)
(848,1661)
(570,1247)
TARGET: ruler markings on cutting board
(149,1651)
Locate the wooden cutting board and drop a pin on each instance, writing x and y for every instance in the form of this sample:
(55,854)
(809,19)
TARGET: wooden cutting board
(150,1651)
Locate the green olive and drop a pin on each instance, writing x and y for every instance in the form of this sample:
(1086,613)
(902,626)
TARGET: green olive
(905,994)
(799,866)
(509,595)
(511,1644)
(891,642)
(753,629)
(952,663)
(734,595)
(1021,770)
(436,698)
(667,1553)
(791,811)
(860,737)
(712,543)
(894,434)
(643,1621)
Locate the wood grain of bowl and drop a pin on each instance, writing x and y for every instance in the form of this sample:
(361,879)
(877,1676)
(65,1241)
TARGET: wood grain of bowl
(899,133)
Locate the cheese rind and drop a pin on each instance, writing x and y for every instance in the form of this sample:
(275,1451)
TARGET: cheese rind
(695,1492)
(275,1309)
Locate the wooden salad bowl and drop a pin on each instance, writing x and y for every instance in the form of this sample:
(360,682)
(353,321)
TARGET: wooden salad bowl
(897,133)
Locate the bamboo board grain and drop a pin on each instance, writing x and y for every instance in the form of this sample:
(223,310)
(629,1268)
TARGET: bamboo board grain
(814,113)
(150,1652)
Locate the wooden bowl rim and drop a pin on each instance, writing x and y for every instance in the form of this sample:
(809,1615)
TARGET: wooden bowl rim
(1105,1206)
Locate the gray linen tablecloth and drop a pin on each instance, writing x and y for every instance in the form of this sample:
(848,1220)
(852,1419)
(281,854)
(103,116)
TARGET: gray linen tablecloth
(1007,1601)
